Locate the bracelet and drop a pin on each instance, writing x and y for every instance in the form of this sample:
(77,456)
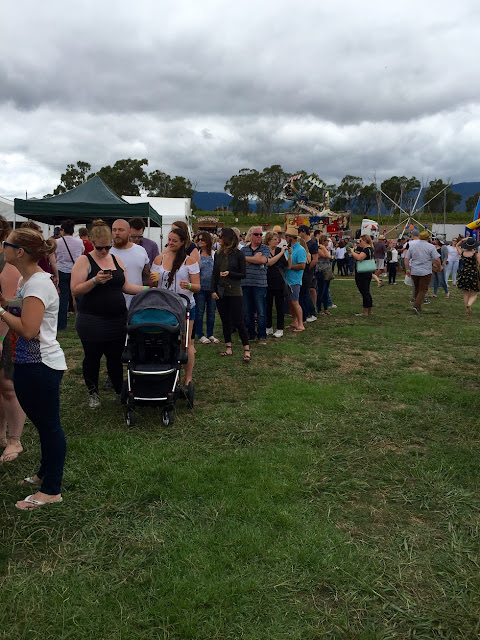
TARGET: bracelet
(189,286)
(95,281)
(145,288)
(2,339)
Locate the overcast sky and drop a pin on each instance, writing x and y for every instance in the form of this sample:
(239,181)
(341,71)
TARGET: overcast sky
(204,88)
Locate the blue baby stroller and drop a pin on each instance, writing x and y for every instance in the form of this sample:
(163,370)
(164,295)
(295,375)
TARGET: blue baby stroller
(157,322)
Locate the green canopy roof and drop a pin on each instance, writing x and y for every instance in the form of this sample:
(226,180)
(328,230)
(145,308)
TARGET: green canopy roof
(92,199)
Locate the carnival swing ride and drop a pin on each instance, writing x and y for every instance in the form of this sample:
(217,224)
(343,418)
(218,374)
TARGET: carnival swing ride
(314,214)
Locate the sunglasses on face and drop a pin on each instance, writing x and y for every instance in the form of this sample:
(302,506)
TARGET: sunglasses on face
(107,247)
(14,246)
(136,237)
(257,234)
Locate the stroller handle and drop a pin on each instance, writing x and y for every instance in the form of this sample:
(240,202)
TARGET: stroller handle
(185,298)
(152,325)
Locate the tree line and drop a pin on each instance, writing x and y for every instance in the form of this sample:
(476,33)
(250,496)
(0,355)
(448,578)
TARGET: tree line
(127,177)
(266,188)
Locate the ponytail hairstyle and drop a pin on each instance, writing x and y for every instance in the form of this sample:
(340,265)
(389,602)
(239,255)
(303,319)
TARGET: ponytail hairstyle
(100,233)
(230,240)
(31,241)
(5,229)
(180,255)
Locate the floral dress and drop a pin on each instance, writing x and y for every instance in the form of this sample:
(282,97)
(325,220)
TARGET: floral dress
(468,274)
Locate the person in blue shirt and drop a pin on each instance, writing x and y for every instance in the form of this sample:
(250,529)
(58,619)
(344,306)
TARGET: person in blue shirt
(297,259)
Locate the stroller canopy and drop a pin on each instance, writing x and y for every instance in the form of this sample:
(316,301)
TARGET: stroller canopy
(159,299)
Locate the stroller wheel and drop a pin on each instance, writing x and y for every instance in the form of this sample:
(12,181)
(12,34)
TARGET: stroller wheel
(168,417)
(190,394)
(130,418)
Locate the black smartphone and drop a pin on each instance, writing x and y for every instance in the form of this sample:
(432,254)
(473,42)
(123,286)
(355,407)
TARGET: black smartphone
(107,271)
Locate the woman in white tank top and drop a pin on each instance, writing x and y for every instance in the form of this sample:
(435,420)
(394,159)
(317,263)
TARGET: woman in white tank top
(179,273)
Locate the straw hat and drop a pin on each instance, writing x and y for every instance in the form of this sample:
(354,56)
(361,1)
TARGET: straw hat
(291,231)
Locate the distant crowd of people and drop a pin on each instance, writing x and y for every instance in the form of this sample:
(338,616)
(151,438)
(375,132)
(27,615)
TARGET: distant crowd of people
(245,277)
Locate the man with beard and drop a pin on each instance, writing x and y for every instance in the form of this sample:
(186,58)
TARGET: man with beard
(133,256)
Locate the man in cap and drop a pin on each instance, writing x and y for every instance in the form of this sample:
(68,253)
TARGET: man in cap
(297,259)
(420,257)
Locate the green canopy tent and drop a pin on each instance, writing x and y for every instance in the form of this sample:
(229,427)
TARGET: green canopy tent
(92,199)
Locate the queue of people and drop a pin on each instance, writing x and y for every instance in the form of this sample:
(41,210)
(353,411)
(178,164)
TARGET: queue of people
(241,278)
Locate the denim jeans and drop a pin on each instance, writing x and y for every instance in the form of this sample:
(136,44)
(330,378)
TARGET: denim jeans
(451,268)
(64,286)
(204,300)
(438,280)
(323,290)
(38,391)
(254,301)
(306,303)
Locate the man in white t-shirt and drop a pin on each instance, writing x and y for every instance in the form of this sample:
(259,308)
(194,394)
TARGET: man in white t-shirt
(133,256)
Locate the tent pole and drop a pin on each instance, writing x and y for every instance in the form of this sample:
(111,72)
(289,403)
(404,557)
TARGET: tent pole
(148,224)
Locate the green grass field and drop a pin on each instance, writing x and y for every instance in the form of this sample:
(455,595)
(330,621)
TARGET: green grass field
(328,489)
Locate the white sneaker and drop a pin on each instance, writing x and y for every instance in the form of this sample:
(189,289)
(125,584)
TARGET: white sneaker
(94,401)
(204,340)
(278,333)
(332,306)
(311,318)
(269,331)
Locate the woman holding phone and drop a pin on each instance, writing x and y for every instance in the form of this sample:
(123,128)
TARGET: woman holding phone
(101,279)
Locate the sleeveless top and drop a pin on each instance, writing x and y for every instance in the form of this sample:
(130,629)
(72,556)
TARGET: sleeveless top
(104,299)
(206,271)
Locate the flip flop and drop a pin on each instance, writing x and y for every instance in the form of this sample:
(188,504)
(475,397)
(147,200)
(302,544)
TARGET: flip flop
(245,357)
(28,504)
(28,481)
(224,354)
(10,456)
(298,330)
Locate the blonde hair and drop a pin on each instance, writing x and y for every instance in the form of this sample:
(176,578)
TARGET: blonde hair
(100,230)
(367,239)
(32,241)
(302,242)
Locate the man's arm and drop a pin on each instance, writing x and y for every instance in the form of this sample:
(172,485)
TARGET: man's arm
(297,267)
(258,258)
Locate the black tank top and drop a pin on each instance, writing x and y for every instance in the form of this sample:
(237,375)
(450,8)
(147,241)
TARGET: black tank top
(105,299)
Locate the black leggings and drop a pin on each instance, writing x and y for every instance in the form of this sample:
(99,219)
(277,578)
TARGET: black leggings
(230,309)
(94,351)
(362,280)
(277,295)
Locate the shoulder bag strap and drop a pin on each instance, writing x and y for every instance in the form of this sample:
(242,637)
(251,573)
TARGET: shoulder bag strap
(69,252)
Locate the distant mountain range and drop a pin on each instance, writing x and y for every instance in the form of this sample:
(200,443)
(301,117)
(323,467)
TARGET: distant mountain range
(209,200)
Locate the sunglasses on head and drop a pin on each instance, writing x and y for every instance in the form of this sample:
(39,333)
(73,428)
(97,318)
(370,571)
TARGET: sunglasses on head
(14,246)
(107,247)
